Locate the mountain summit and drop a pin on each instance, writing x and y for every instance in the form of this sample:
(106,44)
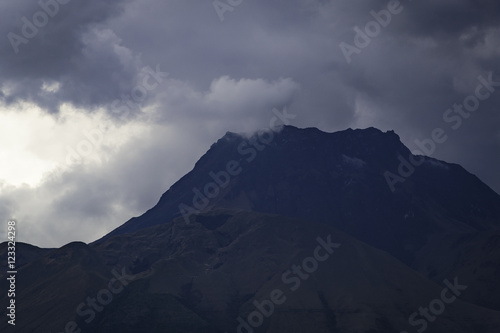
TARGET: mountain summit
(295,230)
(343,179)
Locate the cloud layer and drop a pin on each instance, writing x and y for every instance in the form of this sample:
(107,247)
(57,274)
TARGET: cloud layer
(91,72)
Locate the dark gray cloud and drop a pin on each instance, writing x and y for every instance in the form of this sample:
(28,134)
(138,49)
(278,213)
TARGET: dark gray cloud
(62,41)
(228,75)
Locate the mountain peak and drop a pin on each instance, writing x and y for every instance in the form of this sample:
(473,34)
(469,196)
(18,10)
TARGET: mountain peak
(337,178)
(293,130)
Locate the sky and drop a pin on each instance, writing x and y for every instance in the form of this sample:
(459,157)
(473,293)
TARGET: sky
(105,104)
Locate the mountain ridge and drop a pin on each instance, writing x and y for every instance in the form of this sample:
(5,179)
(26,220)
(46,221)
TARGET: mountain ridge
(329,173)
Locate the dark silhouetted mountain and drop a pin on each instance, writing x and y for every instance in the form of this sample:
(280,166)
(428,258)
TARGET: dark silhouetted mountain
(300,216)
(340,179)
(337,179)
(203,276)
(26,253)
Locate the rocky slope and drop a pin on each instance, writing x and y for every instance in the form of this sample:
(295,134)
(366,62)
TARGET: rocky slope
(210,276)
(290,231)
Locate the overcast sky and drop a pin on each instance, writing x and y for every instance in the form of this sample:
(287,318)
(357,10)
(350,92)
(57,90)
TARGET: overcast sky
(153,83)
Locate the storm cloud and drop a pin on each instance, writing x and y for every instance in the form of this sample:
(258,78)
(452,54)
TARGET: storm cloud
(91,72)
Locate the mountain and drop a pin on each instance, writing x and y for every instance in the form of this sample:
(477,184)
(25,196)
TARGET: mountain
(296,230)
(212,274)
(25,253)
(340,179)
